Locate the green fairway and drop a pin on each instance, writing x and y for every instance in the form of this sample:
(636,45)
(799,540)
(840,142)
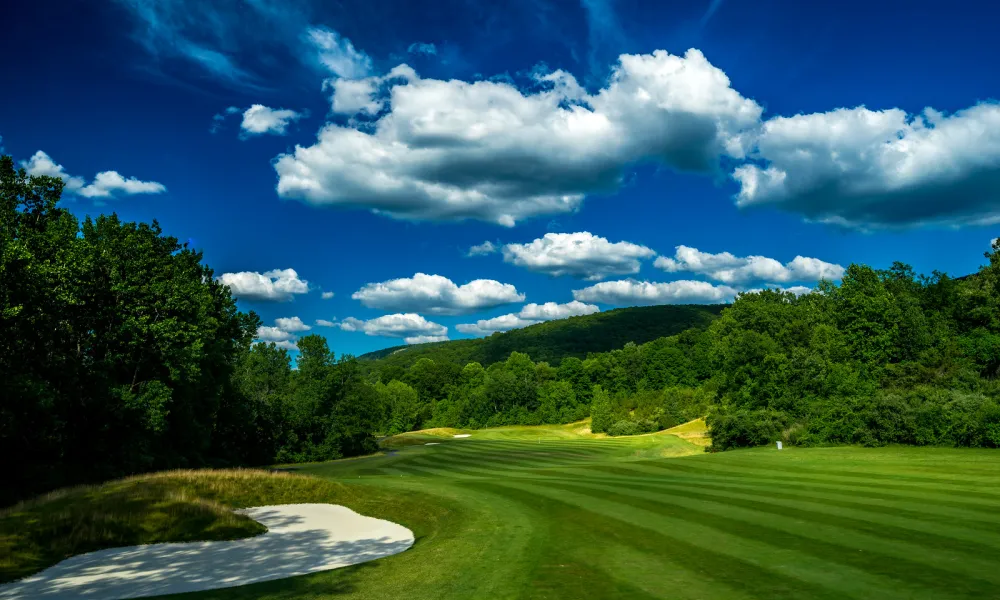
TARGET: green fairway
(555,512)
(546,513)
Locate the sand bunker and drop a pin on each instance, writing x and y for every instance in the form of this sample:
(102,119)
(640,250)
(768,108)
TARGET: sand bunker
(300,539)
(432,443)
(461,435)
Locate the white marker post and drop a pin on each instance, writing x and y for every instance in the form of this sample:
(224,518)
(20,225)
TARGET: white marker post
(779,445)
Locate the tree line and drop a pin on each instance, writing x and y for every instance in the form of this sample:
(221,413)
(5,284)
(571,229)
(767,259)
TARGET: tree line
(121,353)
(885,357)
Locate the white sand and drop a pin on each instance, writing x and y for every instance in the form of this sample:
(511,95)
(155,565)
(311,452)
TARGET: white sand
(300,539)
(432,443)
(462,434)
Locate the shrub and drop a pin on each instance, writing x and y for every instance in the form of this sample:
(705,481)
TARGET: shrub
(624,427)
(744,428)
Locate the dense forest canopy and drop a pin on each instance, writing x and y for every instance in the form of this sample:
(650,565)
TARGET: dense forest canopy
(553,341)
(886,356)
(121,353)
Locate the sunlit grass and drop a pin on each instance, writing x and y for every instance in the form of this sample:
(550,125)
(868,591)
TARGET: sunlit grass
(555,512)
(172,506)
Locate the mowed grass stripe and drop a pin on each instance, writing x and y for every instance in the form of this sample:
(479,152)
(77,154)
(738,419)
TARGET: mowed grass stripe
(975,521)
(611,518)
(718,571)
(527,456)
(927,501)
(502,462)
(509,454)
(953,498)
(860,479)
(652,573)
(497,463)
(495,460)
(888,468)
(766,571)
(831,539)
(814,560)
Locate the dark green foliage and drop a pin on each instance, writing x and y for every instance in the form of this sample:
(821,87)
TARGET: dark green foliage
(554,341)
(120,353)
(601,411)
(886,357)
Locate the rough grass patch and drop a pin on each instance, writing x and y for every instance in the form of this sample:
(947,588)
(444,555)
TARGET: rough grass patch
(173,506)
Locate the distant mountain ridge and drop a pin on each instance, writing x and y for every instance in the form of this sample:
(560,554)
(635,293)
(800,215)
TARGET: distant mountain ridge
(553,341)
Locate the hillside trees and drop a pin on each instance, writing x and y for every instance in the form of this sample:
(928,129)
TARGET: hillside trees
(885,357)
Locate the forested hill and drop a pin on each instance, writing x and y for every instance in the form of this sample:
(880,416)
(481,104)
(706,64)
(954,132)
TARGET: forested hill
(555,340)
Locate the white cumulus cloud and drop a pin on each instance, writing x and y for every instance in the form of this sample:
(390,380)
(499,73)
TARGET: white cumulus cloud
(260,119)
(326,295)
(486,150)
(105,184)
(582,255)
(529,315)
(291,324)
(629,292)
(325,323)
(365,96)
(411,327)
(268,333)
(732,269)
(41,164)
(436,295)
(282,333)
(279,285)
(864,168)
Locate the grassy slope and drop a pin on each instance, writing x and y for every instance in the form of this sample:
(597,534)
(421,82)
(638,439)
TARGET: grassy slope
(555,340)
(553,512)
(175,506)
(543,513)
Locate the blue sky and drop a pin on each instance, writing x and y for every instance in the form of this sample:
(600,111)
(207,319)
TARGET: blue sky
(613,153)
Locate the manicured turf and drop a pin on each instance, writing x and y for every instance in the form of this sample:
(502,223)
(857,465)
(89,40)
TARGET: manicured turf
(550,513)
(555,513)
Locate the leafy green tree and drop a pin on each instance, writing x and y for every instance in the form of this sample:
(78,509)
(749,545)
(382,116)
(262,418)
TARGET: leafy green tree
(868,315)
(557,402)
(601,410)
(403,406)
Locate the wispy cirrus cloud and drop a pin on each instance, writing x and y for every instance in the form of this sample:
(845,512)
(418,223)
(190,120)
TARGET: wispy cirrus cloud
(237,42)
(422,48)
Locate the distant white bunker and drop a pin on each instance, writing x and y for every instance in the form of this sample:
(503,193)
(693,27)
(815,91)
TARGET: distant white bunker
(462,435)
(300,539)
